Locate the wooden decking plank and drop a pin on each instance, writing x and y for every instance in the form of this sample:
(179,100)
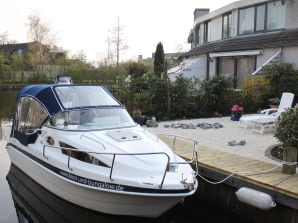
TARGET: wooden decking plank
(290,184)
(227,163)
(270,179)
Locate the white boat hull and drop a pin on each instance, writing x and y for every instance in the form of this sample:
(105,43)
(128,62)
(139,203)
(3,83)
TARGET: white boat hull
(115,201)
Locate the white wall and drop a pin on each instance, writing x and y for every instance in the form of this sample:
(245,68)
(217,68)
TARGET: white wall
(291,14)
(290,55)
(265,56)
(212,68)
(190,68)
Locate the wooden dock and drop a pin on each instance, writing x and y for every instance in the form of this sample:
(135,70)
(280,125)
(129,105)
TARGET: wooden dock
(216,165)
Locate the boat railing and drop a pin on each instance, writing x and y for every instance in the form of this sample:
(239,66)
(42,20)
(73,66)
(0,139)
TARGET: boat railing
(194,158)
(114,155)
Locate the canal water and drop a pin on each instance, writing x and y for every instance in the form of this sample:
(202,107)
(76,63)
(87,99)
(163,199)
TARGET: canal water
(22,200)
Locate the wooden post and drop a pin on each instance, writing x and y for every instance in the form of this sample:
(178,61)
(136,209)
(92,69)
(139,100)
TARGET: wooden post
(289,155)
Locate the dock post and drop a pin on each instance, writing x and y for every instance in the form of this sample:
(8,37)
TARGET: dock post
(289,156)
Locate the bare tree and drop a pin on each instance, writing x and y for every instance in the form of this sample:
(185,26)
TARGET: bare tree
(40,31)
(4,38)
(80,55)
(109,59)
(41,34)
(117,41)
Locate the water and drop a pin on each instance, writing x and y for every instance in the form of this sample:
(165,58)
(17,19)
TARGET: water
(7,102)
(22,200)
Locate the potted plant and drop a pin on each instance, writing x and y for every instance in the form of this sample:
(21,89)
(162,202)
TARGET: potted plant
(237,112)
(274,102)
(287,134)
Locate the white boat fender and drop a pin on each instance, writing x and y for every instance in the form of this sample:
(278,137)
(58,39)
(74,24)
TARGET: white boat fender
(255,198)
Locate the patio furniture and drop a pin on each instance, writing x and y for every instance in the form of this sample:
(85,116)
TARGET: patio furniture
(260,126)
(286,101)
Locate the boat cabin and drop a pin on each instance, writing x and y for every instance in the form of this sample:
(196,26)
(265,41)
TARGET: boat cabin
(66,107)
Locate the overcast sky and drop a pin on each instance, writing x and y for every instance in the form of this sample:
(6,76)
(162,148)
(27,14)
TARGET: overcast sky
(84,24)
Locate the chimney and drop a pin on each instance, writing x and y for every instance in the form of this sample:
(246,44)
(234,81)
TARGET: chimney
(200,12)
(140,58)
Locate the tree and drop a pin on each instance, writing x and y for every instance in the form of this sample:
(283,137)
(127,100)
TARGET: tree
(3,38)
(135,69)
(43,39)
(159,60)
(40,31)
(18,64)
(2,62)
(117,41)
(109,59)
(283,77)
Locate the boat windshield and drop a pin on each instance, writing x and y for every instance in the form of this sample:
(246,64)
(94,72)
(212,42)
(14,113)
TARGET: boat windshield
(77,96)
(92,119)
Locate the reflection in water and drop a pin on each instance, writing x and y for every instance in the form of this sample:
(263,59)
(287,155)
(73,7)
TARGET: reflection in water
(35,204)
(7,102)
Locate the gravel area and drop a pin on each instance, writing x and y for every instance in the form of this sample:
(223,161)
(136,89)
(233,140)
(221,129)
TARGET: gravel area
(219,137)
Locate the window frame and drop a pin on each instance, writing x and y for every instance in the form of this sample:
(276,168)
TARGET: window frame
(255,19)
(228,26)
(207,31)
(197,34)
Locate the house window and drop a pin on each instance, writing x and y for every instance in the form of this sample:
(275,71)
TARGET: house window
(260,17)
(197,35)
(227,25)
(207,31)
(246,20)
(237,68)
(275,15)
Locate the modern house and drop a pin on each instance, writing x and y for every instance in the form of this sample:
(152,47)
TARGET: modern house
(239,39)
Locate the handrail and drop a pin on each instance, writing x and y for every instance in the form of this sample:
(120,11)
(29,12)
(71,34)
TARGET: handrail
(114,157)
(194,153)
(267,62)
(94,140)
(195,143)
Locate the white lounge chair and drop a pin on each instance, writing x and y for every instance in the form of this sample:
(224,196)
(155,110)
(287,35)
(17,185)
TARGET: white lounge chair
(286,102)
(261,125)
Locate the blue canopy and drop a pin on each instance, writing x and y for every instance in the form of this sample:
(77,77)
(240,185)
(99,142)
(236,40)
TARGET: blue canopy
(56,98)
(43,93)
(53,96)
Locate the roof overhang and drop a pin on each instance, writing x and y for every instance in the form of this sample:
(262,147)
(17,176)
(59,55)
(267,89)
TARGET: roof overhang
(236,53)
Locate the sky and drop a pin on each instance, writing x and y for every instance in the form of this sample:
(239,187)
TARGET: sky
(83,25)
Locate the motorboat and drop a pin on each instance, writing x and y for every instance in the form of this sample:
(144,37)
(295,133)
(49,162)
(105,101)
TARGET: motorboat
(35,204)
(80,143)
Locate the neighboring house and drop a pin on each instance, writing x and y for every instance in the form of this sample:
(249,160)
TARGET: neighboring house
(15,48)
(43,56)
(171,58)
(240,38)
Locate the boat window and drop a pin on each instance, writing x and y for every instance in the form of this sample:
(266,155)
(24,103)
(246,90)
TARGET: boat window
(80,155)
(84,96)
(92,119)
(30,115)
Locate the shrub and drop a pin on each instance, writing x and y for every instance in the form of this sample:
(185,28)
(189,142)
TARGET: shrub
(282,78)
(183,93)
(255,93)
(214,93)
(287,127)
